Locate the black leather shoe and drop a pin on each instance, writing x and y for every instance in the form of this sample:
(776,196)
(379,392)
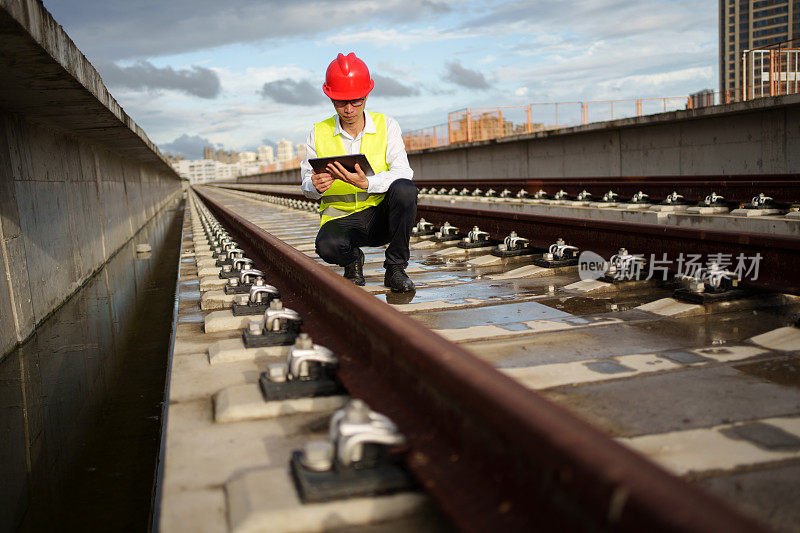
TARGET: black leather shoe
(355,270)
(397,279)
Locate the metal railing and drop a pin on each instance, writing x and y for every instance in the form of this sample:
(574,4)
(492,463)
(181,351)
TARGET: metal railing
(478,124)
(772,70)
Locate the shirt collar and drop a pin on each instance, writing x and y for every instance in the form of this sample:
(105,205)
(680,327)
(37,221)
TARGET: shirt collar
(369,125)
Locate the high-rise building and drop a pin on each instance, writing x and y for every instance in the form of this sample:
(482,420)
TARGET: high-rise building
(203,170)
(227,156)
(748,24)
(172,158)
(208,152)
(247,157)
(266,154)
(285,150)
(300,150)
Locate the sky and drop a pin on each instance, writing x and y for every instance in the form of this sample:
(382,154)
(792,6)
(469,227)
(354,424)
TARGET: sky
(241,73)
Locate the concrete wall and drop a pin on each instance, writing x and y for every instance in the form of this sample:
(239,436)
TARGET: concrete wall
(759,137)
(78,178)
(756,137)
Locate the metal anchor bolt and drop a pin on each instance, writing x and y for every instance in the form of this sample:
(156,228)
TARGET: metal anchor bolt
(317,455)
(277,372)
(303,341)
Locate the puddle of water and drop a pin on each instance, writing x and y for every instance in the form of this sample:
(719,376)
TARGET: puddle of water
(624,339)
(781,371)
(602,303)
(80,402)
(489,290)
(505,314)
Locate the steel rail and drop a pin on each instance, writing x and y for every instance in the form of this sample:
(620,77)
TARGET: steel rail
(736,188)
(779,266)
(495,455)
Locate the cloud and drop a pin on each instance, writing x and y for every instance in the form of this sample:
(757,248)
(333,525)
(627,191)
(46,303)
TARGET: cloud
(659,79)
(189,146)
(591,17)
(289,91)
(121,29)
(195,81)
(385,86)
(438,8)
(471,79)
(394,38)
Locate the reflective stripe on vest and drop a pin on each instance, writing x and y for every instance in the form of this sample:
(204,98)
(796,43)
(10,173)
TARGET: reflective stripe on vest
(332,212)
(343,199)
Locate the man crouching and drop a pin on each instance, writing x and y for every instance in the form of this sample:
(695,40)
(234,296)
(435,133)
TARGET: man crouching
(359,210)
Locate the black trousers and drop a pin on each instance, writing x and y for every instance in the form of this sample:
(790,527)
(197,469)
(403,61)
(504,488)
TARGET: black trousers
(388,222)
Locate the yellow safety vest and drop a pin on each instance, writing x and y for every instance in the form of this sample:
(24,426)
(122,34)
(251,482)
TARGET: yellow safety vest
(342,198)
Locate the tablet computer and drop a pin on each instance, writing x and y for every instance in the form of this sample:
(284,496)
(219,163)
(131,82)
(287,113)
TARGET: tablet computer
(347,161)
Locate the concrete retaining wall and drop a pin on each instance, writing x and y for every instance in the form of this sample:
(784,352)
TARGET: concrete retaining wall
(78,178)
(759,137)
(756,137)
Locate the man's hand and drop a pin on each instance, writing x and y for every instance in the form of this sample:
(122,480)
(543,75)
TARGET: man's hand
(357,178)
(322,181)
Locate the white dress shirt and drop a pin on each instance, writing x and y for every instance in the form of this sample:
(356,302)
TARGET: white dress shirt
(396,156)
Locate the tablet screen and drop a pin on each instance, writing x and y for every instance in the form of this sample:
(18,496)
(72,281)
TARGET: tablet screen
(347,161)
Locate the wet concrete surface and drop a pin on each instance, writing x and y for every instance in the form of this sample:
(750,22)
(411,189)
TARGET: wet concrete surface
(698,398)
(496,314)
(492,291)
(770,493)
(785,371)
(80,402)
(648,336)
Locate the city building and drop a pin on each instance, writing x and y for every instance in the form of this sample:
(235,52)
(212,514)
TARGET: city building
(172,158)
(247,157)
(700,99)
(204,170)
(745,25)
(227,156)
(266,154)
(285,150)
(208,152)
(300,150)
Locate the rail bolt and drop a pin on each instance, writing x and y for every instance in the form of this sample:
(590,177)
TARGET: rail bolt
(317,455)
(278,372)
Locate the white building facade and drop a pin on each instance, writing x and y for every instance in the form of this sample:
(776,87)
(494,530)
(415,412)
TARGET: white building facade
(285,150)
(247,157)
(205,170)
(266,154)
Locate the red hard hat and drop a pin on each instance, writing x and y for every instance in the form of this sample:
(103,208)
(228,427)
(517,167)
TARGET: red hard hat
(347,78)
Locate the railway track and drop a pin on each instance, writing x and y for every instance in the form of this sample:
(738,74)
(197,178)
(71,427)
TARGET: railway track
(492,368)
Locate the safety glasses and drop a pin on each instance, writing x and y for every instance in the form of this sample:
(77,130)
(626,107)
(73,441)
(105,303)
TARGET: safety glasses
(358,102)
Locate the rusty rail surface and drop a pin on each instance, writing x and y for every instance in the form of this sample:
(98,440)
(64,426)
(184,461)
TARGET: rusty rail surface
(736,188)
(495,455)
(779,268)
